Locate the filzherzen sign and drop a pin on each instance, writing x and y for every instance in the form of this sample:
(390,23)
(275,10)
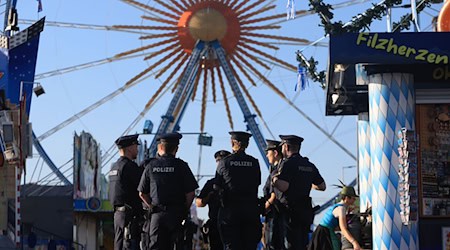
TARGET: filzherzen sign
(426,54)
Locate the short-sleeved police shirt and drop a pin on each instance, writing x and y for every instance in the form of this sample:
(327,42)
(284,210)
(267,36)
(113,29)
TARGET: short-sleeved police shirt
(167,179)
(300,173)
(213,202)
(124,178)
(240,176)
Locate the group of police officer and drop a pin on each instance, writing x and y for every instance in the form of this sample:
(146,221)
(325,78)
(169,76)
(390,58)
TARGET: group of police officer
(163,189)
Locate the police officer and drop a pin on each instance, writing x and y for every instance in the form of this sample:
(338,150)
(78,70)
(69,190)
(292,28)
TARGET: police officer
(124,178)
(167,187)
(297,175)
(209,196)
(239,175)
(273,237)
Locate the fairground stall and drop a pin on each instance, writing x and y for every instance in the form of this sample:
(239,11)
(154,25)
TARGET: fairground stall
(398,84)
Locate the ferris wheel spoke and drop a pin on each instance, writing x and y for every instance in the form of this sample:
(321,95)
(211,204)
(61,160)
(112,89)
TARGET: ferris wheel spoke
(150,68)
(176,3)
(263,27)
(165,42)
(160,20)
(263,44)
(88,109)
(284,38)
(247,8)
(180,55)
(314,44)
(261,76)
(174,47)
(174,10)
(175,69)
(249,78)
(79,26)
(245,90)
(146,7)
(225,98)
(267,56)
(153,36)
(143,27)
(262,10)
(204,99)
(196,82)
(240,5)
(81,66)
(213,83)
(303,13)
(255,59)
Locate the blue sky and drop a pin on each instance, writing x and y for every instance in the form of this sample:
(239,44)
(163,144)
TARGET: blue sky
(67,94)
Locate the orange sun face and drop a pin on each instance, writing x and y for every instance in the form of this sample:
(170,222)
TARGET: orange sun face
(241,27)
(209,21)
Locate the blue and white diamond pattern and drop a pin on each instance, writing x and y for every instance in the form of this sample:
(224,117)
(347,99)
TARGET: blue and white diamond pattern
(365,178)
(391,107)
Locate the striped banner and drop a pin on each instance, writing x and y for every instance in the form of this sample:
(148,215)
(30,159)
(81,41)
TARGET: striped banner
(391,107)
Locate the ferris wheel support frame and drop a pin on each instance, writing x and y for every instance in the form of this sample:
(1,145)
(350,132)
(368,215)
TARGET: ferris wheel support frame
(181,95)
(172,118)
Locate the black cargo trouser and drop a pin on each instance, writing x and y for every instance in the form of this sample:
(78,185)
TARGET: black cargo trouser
(215,243)
(300,220)
(164,228)
(121,220)
(240,226)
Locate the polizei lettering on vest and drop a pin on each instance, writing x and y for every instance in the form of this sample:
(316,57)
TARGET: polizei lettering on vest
(241,163)
(163,169)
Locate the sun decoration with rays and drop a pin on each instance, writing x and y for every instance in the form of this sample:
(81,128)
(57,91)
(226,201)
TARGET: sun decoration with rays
(233,23)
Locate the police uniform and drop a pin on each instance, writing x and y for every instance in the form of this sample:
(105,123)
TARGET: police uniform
(273,234)
(239,175)
(124,178)
(167,180)
(213,211)
(300,173)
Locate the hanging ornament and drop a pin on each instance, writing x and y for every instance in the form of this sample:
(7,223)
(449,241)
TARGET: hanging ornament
(302,81)
(290,9)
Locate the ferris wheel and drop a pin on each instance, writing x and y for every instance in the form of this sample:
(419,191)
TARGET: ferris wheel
(225,57)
